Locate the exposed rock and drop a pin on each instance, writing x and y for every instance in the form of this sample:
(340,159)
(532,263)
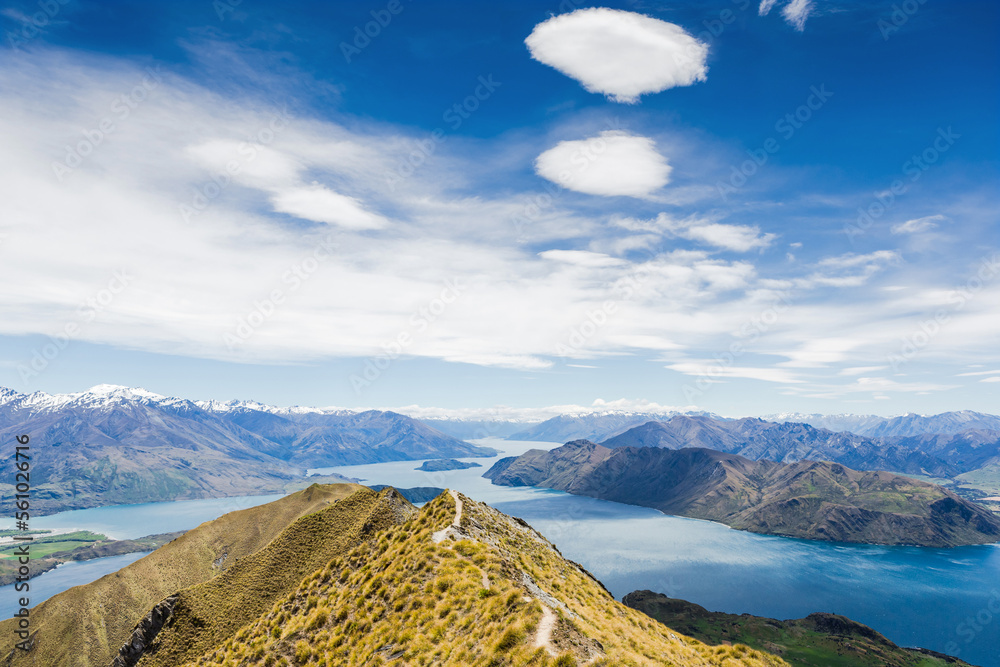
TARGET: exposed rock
(145,632)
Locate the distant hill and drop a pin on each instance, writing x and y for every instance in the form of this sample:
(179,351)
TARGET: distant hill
(819,639)
(594,426)
(474,429)
(807,499)
(899,426)
(116,445)
(786,443)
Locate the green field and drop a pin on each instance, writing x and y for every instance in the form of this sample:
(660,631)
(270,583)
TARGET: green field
(43,546)
(986,479)
(10,532)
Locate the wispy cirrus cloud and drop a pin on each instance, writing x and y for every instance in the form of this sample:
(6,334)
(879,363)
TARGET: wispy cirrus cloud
(918,225)
(735,238)
(795,12)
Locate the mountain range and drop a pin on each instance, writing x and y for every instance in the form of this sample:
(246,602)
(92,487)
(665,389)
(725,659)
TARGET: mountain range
(899,426)
(592,426)
(933,455)
(601,425)
(342,575)
(114,445)
(806,499)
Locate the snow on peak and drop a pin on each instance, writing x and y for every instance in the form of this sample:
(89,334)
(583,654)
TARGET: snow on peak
(121,391)
(235,405)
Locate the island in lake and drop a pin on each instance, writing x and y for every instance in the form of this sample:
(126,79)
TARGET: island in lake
(440,465)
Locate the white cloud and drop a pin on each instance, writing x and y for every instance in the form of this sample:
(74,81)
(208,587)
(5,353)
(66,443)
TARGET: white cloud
(991,379)
(720,370)
(618,53)
(736,238)
(321,204)
(795,12)
(852,261)
(918,225)
(861,370)
(873,385)
(766,6)
(613,163)
(581,258)
(503,412)
(194,281)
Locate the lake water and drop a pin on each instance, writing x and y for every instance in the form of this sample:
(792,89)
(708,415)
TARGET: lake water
(64,577)
(127,522)
(943,599)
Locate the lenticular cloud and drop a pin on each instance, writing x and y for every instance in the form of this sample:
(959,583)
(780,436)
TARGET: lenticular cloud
(611,164)
(620,54)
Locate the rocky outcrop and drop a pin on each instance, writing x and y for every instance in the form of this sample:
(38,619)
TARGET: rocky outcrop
(145,632)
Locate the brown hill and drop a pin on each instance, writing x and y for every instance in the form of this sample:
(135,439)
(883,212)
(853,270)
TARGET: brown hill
(809,499)
(86,625)
(459,584)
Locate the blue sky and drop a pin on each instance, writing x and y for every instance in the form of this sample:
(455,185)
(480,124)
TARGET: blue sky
(749,207)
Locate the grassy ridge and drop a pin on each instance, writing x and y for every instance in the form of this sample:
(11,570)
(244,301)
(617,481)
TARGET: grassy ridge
(475,599)
(84,626)
(208,613)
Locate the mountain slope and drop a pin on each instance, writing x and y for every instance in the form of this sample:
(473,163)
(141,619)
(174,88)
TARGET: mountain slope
(814,500)
(967,451)
(819,639)
(589,426)
(473,429)
(318,438)
(115,445)
(86,625)
(459,584)
(906,425)
(786,442)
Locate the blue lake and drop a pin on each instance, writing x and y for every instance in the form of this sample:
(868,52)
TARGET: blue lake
(64,577)
(942,599)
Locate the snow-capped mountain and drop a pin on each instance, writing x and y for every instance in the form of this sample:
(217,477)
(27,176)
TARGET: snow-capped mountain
(948,423)
(113,444)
